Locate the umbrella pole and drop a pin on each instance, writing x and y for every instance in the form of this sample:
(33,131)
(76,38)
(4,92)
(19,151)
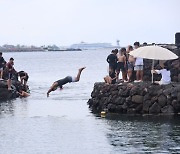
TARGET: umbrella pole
(152,69)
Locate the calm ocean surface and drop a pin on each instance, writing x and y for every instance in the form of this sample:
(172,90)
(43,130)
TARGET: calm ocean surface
(63,122)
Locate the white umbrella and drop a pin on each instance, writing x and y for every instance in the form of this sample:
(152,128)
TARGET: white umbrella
(154,53)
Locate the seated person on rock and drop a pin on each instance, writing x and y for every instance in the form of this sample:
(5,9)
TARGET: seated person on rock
(165,73)
(21,91)
(111,78)
(67,79)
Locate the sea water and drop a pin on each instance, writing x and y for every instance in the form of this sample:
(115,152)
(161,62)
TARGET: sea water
(63,122)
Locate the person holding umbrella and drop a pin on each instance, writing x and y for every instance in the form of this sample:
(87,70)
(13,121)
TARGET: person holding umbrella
(153,52)
(165,73)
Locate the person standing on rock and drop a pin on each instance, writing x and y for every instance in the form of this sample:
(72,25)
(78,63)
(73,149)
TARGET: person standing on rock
(67,79)
(2,65)
(121,65)
(112,60)
(138,65)
(11,70)
(130,63)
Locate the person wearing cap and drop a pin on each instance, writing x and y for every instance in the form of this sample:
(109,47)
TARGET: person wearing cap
(11,70)
(2,64)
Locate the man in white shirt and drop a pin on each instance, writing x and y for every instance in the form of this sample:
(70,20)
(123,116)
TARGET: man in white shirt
(138,65)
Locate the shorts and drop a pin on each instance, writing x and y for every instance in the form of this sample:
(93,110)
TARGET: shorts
(65,80)
(138,68)
(130,66)
(9,75)
(74,79)
(1,68)
(120,66)
(112,67)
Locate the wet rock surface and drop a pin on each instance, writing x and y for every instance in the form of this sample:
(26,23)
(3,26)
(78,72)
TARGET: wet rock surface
(135,98)
(6,94)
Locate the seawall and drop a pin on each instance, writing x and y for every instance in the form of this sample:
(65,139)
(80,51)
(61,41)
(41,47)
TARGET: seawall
(135,98)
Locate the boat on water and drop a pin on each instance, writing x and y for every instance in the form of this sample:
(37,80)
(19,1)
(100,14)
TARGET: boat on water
(68,49)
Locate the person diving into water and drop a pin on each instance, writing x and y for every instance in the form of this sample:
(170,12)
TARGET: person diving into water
(65,80)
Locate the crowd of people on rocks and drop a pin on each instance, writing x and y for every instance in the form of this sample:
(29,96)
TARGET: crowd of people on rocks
(131,67)
(9,74)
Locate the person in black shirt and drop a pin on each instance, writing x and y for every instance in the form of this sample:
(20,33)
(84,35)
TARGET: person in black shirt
(112,60)
(2,65)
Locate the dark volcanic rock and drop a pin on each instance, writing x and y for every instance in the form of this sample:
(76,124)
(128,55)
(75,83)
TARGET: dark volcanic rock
(146,105)
(5,94)
(167,109)
(155,108)
(131,111)
(162,100)
(137,99)
(176,104)
(111,107)
(178,97)
(120,100)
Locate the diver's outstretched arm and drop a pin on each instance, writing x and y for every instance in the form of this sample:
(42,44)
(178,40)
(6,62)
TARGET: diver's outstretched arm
(52,88)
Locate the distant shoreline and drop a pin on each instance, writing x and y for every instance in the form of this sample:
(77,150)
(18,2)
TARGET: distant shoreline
(7,50)
(38,50)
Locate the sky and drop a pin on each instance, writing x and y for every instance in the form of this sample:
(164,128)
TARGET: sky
(65,22)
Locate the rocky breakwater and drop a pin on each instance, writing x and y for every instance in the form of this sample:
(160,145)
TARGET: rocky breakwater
(5,94)
(135,98)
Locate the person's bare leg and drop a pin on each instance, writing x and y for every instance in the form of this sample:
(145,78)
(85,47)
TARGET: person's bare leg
(79,74)
(52,88)
(141,75)
(124,75)
(108,79)
(137,75)
(117,75)
(1,74)
(9,84)
(129,75)
(105,79)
